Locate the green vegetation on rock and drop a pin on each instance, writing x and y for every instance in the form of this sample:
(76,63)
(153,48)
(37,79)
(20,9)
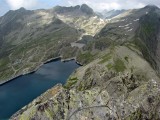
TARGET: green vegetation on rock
(119,65)
(105,58)
(85,57)
(109,66)
(70,82)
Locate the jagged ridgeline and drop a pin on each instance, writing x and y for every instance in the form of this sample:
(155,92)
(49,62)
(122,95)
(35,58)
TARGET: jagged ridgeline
(119,78)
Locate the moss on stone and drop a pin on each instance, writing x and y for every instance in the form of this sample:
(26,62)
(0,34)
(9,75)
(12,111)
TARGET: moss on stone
(119,65)
(109,66)
(135,116)
(71,81)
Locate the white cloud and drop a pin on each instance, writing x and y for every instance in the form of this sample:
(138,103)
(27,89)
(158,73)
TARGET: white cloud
(108,6)
(99,5)
(15,4)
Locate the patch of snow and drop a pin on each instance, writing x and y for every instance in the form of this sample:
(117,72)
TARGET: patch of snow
(28,24)
(121,26)
(130,30)
(95,17)
(101,21)
(126,28)
(128,24)
(136,20)
(123,19)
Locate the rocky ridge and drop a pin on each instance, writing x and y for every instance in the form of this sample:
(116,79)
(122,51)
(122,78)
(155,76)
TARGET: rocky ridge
(116,88)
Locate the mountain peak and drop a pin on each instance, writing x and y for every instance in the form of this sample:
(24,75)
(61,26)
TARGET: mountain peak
(62,9)
(22,8)
(150,6)
(85,8)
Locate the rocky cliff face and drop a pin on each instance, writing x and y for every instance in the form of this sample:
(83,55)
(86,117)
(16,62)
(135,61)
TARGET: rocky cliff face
(118,79)
(82,17)
(147,37)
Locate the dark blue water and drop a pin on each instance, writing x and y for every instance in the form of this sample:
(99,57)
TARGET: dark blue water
(19,92)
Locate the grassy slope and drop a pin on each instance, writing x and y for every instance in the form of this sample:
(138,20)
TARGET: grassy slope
(27,54)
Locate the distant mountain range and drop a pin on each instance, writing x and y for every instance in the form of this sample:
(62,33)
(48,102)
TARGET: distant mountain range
(110,14)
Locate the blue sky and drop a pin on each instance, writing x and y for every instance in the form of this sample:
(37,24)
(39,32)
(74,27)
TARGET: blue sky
(6,5)
(97,5)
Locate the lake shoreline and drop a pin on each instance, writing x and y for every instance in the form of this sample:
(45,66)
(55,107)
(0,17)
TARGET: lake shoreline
(48,61)
(25,88)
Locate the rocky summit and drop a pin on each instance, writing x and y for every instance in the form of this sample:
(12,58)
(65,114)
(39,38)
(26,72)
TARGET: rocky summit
(119,79)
